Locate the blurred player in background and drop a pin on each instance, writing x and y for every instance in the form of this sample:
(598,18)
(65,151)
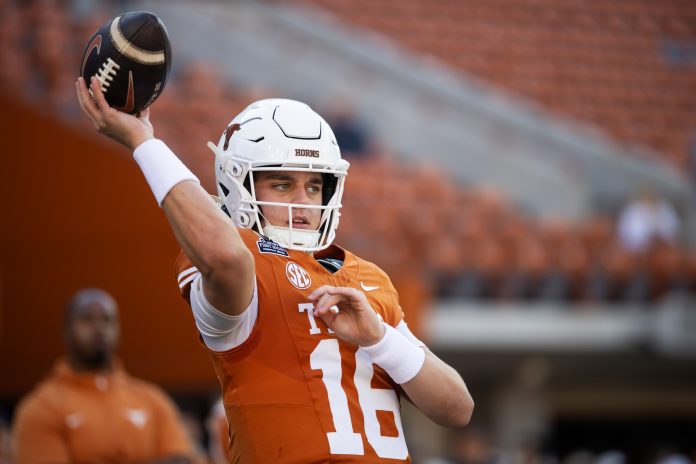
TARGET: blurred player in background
(89,409)
(218,433)
(308,340)
(647,219)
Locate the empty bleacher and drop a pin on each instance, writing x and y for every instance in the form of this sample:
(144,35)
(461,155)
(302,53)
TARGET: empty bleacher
(627,67)
(470,243)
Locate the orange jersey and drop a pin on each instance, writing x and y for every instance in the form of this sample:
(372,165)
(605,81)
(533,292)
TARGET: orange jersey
(78,418)
(293,392)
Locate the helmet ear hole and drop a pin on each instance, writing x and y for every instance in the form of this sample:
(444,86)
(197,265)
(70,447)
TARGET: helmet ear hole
(243,219)
(328,188)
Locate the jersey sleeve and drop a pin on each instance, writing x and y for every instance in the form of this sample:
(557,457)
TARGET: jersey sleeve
(381,294)
(220,332)
(388,307)
(185,272)
(384,298)
(38,434)
(172,439)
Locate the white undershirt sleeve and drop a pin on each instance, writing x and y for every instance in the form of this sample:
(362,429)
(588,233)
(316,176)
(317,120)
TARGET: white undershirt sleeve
(220,331)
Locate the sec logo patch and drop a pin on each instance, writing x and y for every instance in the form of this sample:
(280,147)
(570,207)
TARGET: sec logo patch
(297,276)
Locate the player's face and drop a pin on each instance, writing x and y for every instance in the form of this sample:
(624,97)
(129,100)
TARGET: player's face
(92,333)
(302,188)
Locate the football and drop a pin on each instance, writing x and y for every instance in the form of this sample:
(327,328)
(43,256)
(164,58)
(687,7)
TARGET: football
(130,55)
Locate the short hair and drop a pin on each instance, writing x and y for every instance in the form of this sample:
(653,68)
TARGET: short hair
(87,296)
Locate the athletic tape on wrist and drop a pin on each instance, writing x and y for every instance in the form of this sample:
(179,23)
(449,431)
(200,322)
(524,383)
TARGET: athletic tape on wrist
(397,355)
(161,167)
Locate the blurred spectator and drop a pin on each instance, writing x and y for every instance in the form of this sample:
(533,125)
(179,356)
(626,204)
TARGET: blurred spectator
(645,219)
(351,134)
(89,409)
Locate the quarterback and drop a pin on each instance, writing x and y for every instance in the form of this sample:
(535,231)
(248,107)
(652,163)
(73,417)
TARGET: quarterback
(308,340)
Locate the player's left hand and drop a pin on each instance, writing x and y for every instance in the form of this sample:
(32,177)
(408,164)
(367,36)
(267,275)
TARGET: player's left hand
(355,321)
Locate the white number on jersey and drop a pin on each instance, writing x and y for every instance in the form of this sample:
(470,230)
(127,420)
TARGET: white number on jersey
(327,358)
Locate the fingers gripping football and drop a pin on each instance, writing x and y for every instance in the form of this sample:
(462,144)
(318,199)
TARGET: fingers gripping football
(128,130)
(347,312)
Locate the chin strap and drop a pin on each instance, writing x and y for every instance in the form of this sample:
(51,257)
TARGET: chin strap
(292,238)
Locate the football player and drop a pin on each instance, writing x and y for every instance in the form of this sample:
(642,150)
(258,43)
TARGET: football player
(307,339)
(89,408)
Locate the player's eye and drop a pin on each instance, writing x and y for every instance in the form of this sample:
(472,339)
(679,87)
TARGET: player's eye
(314,189)
(281,187)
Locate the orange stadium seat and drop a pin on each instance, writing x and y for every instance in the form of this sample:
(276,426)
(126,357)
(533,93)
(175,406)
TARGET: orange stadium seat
(602,62)
(472,242)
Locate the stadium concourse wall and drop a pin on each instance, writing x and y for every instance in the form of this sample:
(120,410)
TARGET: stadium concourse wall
(76,213)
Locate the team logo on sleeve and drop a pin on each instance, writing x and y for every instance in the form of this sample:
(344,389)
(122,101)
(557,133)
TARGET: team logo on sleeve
(297,276)
(269,246)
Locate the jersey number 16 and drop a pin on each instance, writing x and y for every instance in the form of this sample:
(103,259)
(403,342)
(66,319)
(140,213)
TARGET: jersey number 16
(327,358)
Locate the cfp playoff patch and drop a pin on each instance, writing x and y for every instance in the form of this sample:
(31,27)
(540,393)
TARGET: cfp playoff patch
(269,246)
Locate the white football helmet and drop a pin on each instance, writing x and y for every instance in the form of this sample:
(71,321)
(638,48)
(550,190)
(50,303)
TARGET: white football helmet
(279,135)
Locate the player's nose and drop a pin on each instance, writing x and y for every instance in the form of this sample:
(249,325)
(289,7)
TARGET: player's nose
(301,196)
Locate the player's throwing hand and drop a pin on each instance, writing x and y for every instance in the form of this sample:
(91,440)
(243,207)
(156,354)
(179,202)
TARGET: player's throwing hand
(127,130)
(347,312)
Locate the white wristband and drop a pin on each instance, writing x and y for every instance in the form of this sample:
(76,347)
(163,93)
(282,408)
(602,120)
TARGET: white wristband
(161,167)
(397,355)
